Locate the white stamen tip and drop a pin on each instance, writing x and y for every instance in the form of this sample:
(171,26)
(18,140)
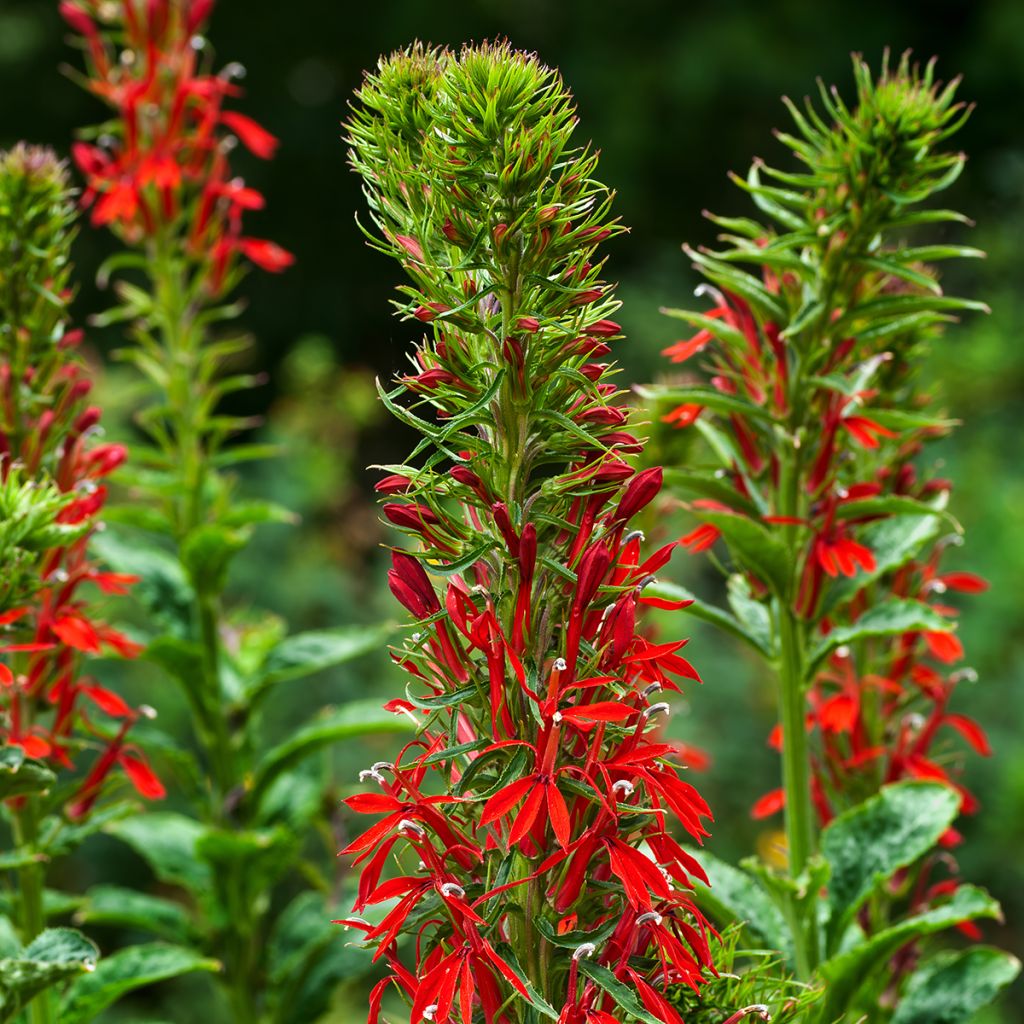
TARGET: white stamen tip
(660,708)
(453,891)
(406,825)
(625,786)
(588,949)
(652,916)
(560,665)
(652,688)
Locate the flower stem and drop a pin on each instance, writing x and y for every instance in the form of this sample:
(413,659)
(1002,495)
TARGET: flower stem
(30,894)
(791,672)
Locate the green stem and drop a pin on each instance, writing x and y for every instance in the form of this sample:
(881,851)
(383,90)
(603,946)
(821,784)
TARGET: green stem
(801,831)
(182,341)
(30,898)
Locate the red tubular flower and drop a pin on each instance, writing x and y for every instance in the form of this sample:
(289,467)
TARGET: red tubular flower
(529,671)
(46,428)
(169,170)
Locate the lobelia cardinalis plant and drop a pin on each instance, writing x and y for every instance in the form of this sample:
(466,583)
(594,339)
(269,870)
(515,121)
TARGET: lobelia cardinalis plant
(159,176)
(65,738)
(814,426)
(526,864)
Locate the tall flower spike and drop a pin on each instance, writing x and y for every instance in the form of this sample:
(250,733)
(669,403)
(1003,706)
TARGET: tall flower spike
(817,423)
(54,716)
(557,803)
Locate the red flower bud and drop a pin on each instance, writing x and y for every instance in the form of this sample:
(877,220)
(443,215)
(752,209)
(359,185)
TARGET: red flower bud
(411,585)
(641,491)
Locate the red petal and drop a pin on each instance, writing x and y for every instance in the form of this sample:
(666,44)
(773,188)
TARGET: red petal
(771,803)
(107,701)
(254,136)
(559,815)
(971,731)
(505,799)
(76,632)
(142,776)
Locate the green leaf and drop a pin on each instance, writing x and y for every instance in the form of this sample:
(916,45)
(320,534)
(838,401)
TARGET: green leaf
(309,957)
(845,973)
(753,614)
(889,618)
(952,987)
(251,513)
(711,398)
(10,944)
(302,654)
(207,552)
(717,327)
(870,842)
(623,995)
(168,843)
(736,896)
(754,546)
(123,972)
(358,718)
(128,908)
(20,774)
(162,590)
(54,956)
(892,505)
(707,612)
(254,858)
(708,484)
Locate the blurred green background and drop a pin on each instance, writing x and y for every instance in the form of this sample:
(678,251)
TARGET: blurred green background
(675,95)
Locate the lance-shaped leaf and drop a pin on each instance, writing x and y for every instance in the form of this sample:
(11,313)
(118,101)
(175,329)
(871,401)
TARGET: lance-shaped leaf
(20,774)
(123,972)
(622,993)
(167,842)
(890,618)
(358,718)
(302,654)
(54,956)
(735,896)
(845,973)
(869,843)
(952,987)
(128,908)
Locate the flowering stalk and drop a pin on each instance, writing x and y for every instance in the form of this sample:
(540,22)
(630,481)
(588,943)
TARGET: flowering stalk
(159,176)
(55,717)
(527,839)
(814,418)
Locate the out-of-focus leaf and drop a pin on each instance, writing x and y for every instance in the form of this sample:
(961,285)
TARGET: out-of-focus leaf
(734,896)
(708,612)
(952,987)
(162,589)
(168,843)
(128,908)
(846,972)
(889,618)
(20,774)
(54,956)
(870,842)
(358,718)
(302,654)
(125,971)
